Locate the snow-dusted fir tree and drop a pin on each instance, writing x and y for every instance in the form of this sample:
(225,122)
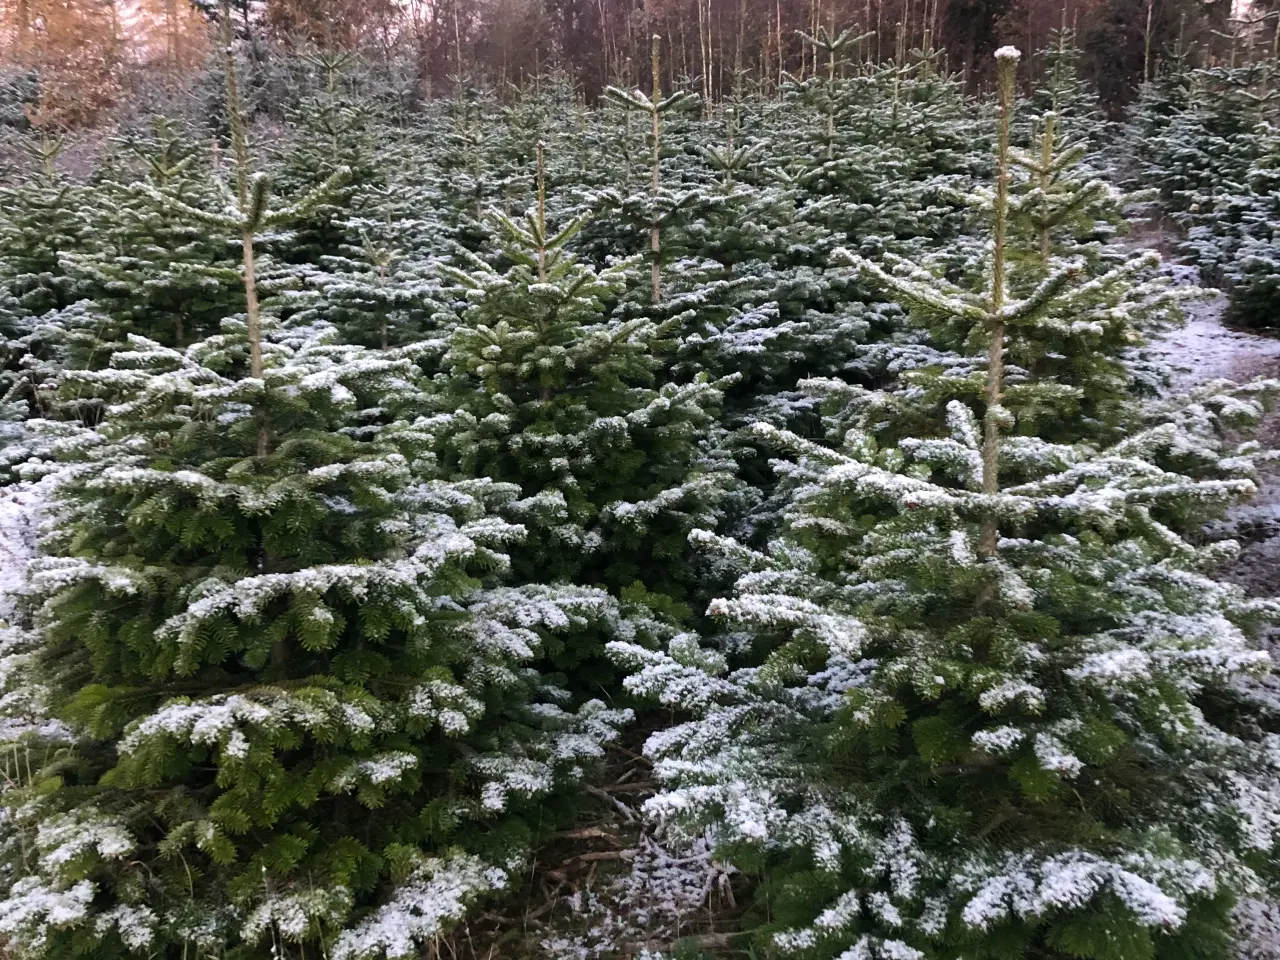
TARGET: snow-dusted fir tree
(1207,142)
(281,718)
(149,268)
(464,143)
(43,215)
(333,131)
(1065,93)
(1144,144)
(874,152)
(375,294)
(662,205)
(1063,205)
(544,389)
(293,725)
(976,700)
(1235,238)
(1066,361)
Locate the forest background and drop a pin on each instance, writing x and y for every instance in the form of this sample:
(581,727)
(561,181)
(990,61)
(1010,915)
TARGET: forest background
(94,56)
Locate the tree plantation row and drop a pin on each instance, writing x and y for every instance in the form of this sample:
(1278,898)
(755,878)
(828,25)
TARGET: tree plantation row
(397,469)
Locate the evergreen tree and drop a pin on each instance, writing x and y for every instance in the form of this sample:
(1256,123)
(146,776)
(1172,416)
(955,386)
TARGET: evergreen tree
(1065,94)
(376,295)
(150,269)
(543,389)
(334,131)
(42,216)
(1234,240)
(254,626)
(986,705)
(283,715)
(348,493)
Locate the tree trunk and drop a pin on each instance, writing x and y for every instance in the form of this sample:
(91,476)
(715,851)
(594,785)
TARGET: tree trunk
(781,66)
(24,25)
(171,37)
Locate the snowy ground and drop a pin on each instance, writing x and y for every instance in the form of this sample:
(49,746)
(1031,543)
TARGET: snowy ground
(1206,349)
(19,507)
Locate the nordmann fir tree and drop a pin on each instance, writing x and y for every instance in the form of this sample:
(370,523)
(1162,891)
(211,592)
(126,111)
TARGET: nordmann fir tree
(1068,374)
(663,206)
(746,300)
(139,270)
(151,268)
(376,295)
(284,721)
(294,578)
(290,735)
(1064,93)
(982,719)
(1060,202)
(336,132)
(464,179)
(43,215)
(542,388)
(1234,237)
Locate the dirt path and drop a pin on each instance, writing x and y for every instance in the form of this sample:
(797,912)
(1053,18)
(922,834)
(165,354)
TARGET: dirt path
(1206,349)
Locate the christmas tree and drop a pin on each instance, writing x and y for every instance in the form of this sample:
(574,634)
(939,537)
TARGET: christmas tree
(544,389)
(975,716)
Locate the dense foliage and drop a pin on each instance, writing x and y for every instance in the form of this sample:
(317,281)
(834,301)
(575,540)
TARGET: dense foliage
(389,472)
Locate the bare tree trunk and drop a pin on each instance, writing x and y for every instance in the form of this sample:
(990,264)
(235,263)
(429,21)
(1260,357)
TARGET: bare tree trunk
(604,36)
(457,39)
(684,48)
(1146,44)
(720,56)
(704,53)
(812,27)
(171,37)
(879,19)
(712,59)
(737,53)
(781,67)
(24,25)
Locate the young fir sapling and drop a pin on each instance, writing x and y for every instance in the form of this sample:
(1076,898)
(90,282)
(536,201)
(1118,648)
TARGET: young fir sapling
(975,717)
